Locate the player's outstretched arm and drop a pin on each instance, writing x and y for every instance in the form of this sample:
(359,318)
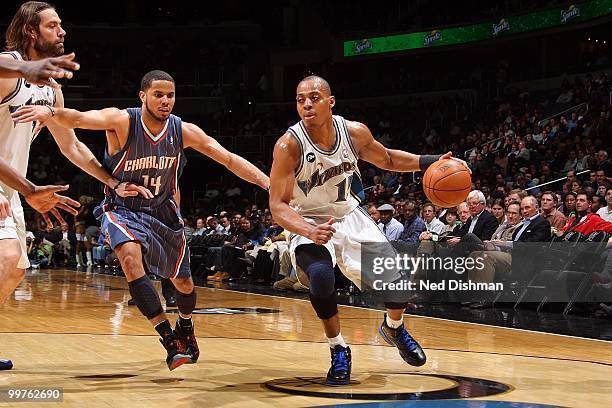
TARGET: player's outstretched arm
(196,138)
(372,151)
(39,72)
(104,119)
(43,199)
(61,122)
(282,178)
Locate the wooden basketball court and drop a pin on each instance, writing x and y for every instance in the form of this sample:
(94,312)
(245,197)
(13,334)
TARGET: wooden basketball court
(74,330)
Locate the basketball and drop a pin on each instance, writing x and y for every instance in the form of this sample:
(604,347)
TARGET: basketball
(446,183)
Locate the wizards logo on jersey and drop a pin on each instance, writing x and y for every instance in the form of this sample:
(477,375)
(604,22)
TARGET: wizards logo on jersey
(318,179)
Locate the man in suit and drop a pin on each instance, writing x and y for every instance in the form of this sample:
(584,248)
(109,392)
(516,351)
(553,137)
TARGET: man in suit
(517,254)
(481,222)
(478,228)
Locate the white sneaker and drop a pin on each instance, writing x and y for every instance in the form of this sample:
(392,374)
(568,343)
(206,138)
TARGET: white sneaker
(89,263)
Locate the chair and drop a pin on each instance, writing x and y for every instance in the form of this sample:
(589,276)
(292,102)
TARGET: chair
(578,255)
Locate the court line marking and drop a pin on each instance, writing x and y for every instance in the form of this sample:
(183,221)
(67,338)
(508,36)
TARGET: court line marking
(318,342)
(377,310)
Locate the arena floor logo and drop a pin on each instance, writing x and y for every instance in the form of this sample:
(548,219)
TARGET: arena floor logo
(230,310)
(392,386)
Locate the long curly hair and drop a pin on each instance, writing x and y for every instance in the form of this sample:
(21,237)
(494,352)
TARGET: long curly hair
(25,19)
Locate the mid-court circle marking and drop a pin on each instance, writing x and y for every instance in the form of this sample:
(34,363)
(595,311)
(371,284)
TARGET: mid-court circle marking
(462,387)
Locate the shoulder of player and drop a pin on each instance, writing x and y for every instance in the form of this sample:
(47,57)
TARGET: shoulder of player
(288,144)
(7,85)
(358,129)
(189,129)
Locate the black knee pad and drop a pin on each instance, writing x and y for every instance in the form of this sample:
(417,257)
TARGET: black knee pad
(186,303)
(144,294)
(316,262)
(326,307)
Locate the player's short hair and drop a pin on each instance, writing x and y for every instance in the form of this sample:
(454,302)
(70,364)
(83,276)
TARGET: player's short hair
(324,83)
(26,18)
(155,75)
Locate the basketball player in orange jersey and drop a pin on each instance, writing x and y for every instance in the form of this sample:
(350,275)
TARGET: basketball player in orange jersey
(315,193)
(35,33)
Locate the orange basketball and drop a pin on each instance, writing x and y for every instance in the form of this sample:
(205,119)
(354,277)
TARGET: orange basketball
(447,183)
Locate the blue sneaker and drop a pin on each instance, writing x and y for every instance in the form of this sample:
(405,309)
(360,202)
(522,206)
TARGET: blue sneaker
(340,371)
(5,364)
(408,348)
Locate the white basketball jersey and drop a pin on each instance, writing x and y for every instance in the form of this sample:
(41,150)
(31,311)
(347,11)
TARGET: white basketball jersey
(15,138)
(328,183)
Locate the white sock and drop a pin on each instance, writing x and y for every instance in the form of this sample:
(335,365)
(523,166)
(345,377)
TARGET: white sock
(79,258)
(88,255)
(394,324)
(335,341)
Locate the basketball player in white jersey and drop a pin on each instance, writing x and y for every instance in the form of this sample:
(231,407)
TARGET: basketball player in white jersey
(43,199)
(35,33)
(314,193)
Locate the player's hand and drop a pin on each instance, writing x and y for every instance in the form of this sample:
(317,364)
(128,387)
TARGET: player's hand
(30,113)
(449,156)
(322,233)
(40,72)
(5,208)
(45,200)
(125,189)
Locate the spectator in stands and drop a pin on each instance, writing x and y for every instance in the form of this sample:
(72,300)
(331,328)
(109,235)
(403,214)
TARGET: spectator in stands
(606,212)
(226,224)
(515,195)
(391,227)
(189,231)
(200,227)
(497,209)
(452,221)
(548,210)
(249,236)
(569,204)
(603,163)
(499,252)
(374,214)
(413,224)
(40,253)
(101,250)
(433,226)
(576,186)
(65,244)
(235,228)
(583,221)
(602,179)
(597,203)
(481,222)
(87,228)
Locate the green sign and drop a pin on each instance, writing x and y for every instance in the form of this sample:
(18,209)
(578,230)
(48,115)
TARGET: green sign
(540,20)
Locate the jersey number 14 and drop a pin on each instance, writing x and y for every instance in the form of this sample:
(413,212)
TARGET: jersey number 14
(149,182)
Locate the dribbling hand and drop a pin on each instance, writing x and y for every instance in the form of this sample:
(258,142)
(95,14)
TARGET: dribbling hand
(449,156)
(322,233)
(5,208)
